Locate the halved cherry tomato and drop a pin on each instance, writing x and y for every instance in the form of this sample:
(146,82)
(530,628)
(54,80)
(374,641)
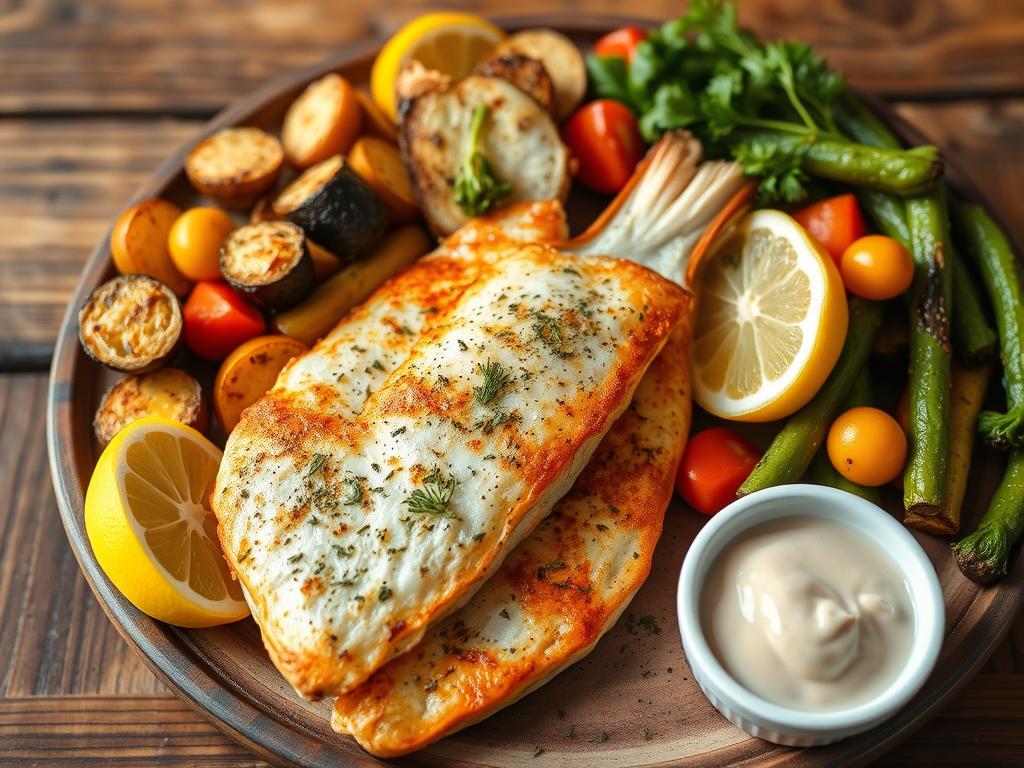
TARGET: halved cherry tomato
(834,222)
(715,464)
(876,267)
(217,320)
(603,136)
(867,446)
(622,42)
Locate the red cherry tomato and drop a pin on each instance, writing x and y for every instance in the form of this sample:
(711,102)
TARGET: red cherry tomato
(835,222)
(715,464)
(603,136)
(622,42)
(217,320)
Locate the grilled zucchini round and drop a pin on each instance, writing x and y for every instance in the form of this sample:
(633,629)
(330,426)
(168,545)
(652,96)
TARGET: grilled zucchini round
(335,208)
(131,324)
(169,392)
(235,166)
(269,262)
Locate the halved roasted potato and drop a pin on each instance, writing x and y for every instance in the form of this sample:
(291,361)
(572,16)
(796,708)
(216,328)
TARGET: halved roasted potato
(138,243)
(235,166)
(334,207)
(525,73)
(323,121)
(269,262)
(561,59)
(248,373)
(131,324)
(379,163)
(169,392)
(520,141)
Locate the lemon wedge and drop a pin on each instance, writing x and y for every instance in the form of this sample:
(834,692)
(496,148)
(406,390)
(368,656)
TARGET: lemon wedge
(771,320)
(452,43)
(148,518)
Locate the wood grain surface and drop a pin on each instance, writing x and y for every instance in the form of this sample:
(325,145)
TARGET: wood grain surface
(96,94)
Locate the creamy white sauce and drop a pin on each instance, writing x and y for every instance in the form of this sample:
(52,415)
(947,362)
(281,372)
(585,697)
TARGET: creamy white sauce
(808,613)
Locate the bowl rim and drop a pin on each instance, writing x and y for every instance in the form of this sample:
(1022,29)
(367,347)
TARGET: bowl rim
(925,593)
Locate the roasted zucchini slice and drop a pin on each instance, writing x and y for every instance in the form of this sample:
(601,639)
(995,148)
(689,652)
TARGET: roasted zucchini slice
(269,262)
(235,165)
(169,392)
(131,324)
(334,207)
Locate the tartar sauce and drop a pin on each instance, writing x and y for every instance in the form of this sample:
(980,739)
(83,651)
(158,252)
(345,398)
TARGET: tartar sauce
(808,613)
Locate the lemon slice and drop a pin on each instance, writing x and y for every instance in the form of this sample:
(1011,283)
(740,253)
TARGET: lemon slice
(452,43)
(147,514)
(771,320)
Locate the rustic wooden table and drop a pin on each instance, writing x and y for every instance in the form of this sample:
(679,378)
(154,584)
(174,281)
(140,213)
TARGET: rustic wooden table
(95,94)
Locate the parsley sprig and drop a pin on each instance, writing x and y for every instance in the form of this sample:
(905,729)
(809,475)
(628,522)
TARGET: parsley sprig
(477,189)
(769,106)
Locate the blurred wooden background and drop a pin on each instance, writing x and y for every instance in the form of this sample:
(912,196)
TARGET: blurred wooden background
(93,95)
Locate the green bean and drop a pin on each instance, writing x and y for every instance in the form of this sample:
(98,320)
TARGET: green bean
(792,450)
(974,341)
(924,479)
(983,555)
(987,246)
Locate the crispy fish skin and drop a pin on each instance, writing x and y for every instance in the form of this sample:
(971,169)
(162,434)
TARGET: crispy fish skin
(555,594)
(314,507)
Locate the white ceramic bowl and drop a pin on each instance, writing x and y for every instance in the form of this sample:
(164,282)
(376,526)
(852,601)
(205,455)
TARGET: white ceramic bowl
(783,725)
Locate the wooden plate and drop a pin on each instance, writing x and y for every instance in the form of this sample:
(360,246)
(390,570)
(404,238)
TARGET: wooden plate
(635,687)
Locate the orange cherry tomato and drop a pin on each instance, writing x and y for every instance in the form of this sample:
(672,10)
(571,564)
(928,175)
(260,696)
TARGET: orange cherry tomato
(217,320)
(604,138)
(834,222)
(195,240)
(867,446)
(622,42)
(876,267)
(714,466)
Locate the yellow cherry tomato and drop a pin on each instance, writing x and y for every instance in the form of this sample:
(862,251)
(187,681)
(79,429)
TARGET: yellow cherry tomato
(867,446)
(195,240)
(876,267)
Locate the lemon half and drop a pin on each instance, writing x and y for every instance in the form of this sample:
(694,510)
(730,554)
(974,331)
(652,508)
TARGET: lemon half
(148,518)
(452,43)
(771,320)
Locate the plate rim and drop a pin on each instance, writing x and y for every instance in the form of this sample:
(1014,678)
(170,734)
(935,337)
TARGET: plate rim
(161,647)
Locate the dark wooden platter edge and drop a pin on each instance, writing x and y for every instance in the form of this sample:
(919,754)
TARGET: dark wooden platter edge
(278,739)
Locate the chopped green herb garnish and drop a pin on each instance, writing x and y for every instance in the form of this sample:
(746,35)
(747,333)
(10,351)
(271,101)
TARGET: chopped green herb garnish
(504,614)
(570,732)
(646,733)
(434,497)
(384,594)
(245,555)
(398,431)
(495,379)
(354,493)
(650,624)
(602,737)
(462,345)
(377,365)
(548,330)
(294,558)
(477,189)
(317,463)
(495,420)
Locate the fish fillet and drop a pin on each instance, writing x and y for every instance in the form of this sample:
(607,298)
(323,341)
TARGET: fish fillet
(317,511)
(554,595)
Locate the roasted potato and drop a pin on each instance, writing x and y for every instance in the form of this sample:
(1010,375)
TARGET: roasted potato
(248,373)
(323,121)
(139,245)
(235,166)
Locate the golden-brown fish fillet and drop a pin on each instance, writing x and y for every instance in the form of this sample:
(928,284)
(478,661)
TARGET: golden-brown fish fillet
(553,597)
